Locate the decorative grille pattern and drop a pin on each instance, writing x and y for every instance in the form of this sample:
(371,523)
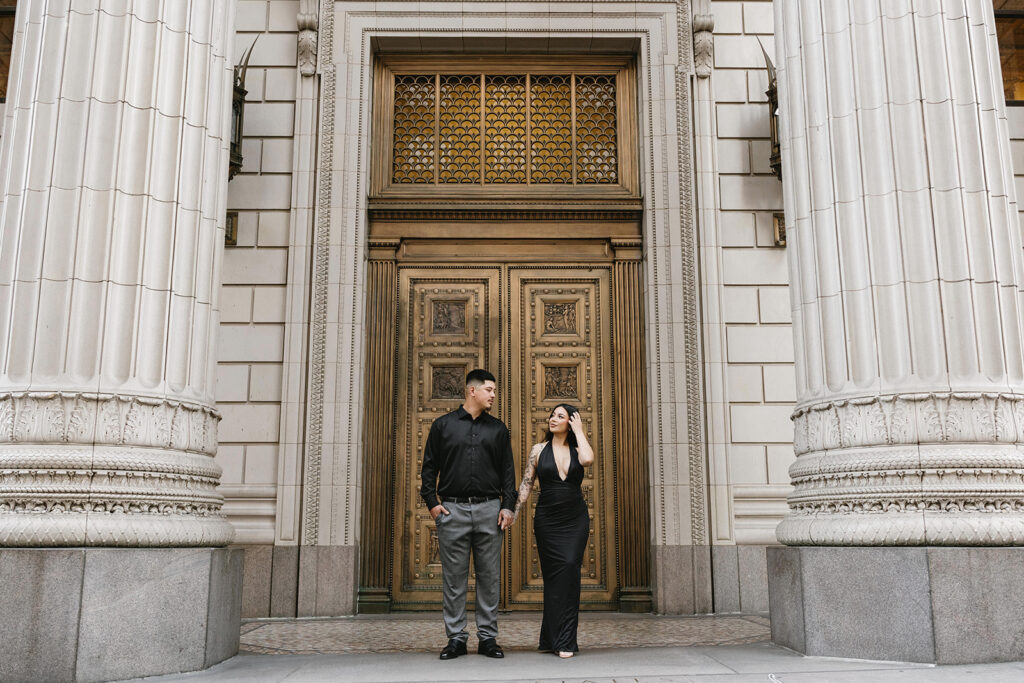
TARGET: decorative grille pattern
(505,108)
(551,124)
(514,129)
(459,130)
(596,154)
(414,129)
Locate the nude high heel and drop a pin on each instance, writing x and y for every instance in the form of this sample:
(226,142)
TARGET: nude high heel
(566,655)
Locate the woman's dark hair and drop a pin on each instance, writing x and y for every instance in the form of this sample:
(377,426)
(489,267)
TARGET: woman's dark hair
(570,438)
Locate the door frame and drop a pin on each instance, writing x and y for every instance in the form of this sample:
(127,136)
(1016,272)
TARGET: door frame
(621,253)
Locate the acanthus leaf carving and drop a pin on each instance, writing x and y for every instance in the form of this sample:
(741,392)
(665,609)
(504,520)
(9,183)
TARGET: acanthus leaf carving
(951,454)
(955,417)
(133,420)
(703,43)
(307,42)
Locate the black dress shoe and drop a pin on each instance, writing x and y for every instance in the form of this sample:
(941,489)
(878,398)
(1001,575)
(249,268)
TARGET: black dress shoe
(453,649)
(490,647)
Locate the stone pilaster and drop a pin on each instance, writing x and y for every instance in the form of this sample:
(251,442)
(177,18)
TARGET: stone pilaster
(114,168)
(905,269)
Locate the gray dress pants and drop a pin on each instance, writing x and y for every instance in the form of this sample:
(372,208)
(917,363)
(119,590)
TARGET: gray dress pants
(470,526)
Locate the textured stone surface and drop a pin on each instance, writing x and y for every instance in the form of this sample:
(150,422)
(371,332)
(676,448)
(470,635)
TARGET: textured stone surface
(224,607)
(327,581)
(40,592)
(870,603)
(143,610)
(424,632)
(702,597)
(943,605)
(99,614)
(284,581)
(786,598)
(305,602)
(725,578)
(753,578)
(335,580)
(978,602)
(256,584)
(672,579)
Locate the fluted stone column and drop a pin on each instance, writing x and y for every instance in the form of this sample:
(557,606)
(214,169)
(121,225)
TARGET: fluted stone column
(114,181)
(905,274)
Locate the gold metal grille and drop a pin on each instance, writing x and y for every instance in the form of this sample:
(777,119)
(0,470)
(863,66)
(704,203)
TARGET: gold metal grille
(505,132)
(596,157)
(551,123)
(507,129)
(459,130)
(414,129)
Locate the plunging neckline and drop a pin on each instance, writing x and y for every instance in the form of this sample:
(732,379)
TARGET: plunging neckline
(555,460)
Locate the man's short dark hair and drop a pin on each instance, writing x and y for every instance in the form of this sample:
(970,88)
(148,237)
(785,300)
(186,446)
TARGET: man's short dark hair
(479,376)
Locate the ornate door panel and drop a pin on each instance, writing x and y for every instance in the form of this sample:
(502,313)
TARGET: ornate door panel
(559,352)
(447,325)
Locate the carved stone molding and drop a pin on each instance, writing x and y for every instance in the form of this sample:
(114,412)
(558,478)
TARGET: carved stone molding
(944,468)
(104,469)
(86,418)
(909,419)
(308,20)
(321,248)
(524,213)
(917,528)
(695,418)
(703,44)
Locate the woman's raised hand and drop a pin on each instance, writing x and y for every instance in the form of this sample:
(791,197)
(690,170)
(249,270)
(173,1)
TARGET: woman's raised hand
(576,423)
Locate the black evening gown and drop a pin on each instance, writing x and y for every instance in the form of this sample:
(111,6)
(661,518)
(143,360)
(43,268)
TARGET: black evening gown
(561,526)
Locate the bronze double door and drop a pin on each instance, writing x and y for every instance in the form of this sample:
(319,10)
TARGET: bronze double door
(545,332)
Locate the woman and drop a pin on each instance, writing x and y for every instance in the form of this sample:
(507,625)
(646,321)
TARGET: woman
(561,524)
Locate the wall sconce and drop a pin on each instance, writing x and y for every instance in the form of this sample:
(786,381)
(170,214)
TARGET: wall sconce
(779,228)
(775,160)
(238,112)
(231,229)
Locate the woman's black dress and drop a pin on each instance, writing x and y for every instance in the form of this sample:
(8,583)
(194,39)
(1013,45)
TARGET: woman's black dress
(561,526)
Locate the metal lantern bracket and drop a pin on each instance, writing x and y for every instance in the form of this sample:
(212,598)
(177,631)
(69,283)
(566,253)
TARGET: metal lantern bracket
(238,112)
(775,160)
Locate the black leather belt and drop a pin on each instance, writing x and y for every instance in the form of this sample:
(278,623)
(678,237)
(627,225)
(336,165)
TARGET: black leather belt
(469,499)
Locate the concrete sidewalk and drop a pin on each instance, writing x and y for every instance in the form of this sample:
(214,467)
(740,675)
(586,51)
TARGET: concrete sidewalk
(761,662)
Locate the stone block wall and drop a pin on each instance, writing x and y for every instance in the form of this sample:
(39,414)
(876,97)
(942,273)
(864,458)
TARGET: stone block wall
(758,386)
(251,344)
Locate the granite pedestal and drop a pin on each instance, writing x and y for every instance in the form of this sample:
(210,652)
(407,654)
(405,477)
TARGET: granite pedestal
(947,605)
(100,614)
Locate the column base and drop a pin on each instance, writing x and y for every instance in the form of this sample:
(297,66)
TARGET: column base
(946,605)
(98,614)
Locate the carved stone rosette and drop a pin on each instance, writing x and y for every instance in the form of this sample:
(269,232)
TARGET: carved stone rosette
(911,469)
(95,469)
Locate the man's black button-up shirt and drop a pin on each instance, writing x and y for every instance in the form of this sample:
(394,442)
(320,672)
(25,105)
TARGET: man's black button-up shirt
(472,457)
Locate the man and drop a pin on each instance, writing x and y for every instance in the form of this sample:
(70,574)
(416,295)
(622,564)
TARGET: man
(471,505)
